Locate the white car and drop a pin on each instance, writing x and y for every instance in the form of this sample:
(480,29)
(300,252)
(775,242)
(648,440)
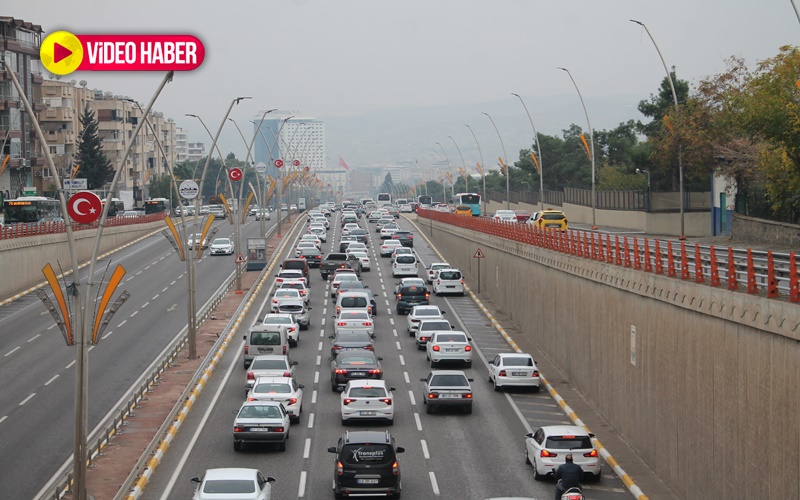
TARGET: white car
(282,295)
(546,448)
(227,483)
(321,220)
(388,246)
(363,257)
(338,279)
(382,222)
(401,251)
(367,400)
(260,422)
(449,346)
(418,313)
(285,390)
(388,230)
(319,232)
(505,216)
(300,286)
(263,214)
(290,275)
(316,225)
(222,246)
(305,244)
(404,265)
(427,327)
(285,322)
(435,266)
(406,209)
(196,237)
(354,320)
(356,246)
(448,281)
(349,227)
(514,369)
(269,365)
(312,238)
(447,389)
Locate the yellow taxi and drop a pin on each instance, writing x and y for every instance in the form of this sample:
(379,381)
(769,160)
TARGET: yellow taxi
(549,219)
(463,210)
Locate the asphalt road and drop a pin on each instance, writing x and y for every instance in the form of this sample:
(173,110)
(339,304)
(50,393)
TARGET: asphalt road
(448,455)
(37,368)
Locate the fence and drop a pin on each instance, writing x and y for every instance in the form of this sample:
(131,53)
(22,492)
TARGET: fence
(54,227)
(775,273)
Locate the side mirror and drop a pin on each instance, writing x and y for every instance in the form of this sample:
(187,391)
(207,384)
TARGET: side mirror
(469,339)
(529,435)
(331,337)
(270,479)
(452,327)
(392,388)
(423,380)
(470,380)
(373,337)
(374,294)
(380,359)
(332,449)
(309,308)
(196,479)
(301,386)
(295,363)
(244,337)
(400,449)
(444,312)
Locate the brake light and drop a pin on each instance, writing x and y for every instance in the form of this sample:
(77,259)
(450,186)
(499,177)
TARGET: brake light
(274,301)
(467,395)
(462,281)
(287,374)
(424,339)
(468,348)
(427,295)
(535,373)
(341,323)
(347,401)
(246,349)
(591,454)
(374,372)
(252,399)
(436,348)
(395,468)
(366,323)
(547,454)
(279,280)
(277,429)
(319,256)
(340,371)
(394,265)
(388,401)
(239,429)
(303,292)
(502,373)
(432,395)
(284,349)
(338,309)
(251,376)
(339,468)
(399,296)
(438,281)
(292,401)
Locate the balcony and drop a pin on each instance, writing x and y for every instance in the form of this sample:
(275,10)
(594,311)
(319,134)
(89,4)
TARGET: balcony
(61,137)
(56,114)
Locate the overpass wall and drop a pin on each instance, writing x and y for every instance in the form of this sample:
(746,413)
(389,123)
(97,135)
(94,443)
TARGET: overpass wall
(708,393)
(21,259)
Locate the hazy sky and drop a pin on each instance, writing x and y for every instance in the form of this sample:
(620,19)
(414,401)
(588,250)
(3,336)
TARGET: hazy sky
(348,57)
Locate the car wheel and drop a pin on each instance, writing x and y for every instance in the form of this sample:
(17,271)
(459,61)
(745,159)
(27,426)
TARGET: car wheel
(468,409)
(536,388)
(536,475)
(237,446)
(333,386)
(468,364)
(527,458)
(411,334)
(390,421)
(282,446)
(338,496)
(497,388)
(428,408)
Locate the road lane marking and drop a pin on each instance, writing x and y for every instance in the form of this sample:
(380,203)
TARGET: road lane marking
(324,311)
(173,282)
(51,380)
(311,420)
(155,296)
(172,307)
(106,335)
(306,451)
(425,449)
(399,347)
(27,399)
(387,301)
(411,397)
(405,376)
(320,346)
(322,332)
(145,304)
(34,337)
(123,322)
(316,377)
(391,320)
(4,417)
(434,484)
(51,327)
(165,289)
(402,360)
(12,351)
(322,322)
(140,272)
(418,421)
(319,360)
(394,331)
(69,365)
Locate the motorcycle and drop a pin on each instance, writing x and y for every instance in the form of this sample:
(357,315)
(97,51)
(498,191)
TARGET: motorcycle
(574,493)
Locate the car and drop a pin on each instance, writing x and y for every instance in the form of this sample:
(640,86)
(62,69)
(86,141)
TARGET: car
(354,364)
(354,320)
(316,226)
(448,281)
(549,219)
(365,463)
(350,226)
(304,244)
(374,216)
(406,209)
(230,482)
(312,238)
(410,296)
(401,251)
(546,448)
(355,263)
(522,215)
(197,237)
(435,266)
(320,220)
(449,346)
(404,265)
(419,313)
(363,258)
(447,389)
(300,286)
(463,210)
(514,369)
(388,246)
(351,339)
(427,327)
(282,295)
(360,234)
(394,212)
(356,246)
(505,216)
(269,365)
(261,422)
(312,256)
(297,265)
(338,279)
(218,211)
(299,311)
(222,246)
(344,243)
(283,321)
(354,298)
(293,208)
(415,281)
(388,230)
(351,218)
(382,222)
(263,213)
(406,238)
(319,232)
(367,400)
(290,275)
(284,390)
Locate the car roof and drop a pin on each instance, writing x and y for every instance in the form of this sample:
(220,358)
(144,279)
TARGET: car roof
(230,473)
(368,383)
(564,430)
(271,356)
(285,380)
(449,372)
(351,437)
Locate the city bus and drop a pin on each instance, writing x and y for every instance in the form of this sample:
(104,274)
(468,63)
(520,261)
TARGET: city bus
(425,199)
(384,199)
(471,199)
(156,205)
(31,209)
(116,208)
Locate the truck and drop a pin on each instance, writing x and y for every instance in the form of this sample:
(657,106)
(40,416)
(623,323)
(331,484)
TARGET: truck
(331,262)
(301,204)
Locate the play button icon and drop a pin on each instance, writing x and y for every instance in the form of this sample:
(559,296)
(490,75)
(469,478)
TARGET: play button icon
(60,52)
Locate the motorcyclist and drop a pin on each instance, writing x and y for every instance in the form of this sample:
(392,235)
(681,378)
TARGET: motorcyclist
(568,475)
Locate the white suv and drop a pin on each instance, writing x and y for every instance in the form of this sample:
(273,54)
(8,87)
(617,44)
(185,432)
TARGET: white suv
(448,281)
(404,265)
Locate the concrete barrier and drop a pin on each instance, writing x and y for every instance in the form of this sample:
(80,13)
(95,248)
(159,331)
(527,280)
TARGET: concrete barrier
(703,383)
(19,256)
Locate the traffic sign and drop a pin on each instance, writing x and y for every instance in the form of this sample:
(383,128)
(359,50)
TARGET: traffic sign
(307,168)
(478,254)
(76,184)
(240,259)
(261,167)
(189,189)
(278,163)
(79,211)
(235,174)
(296,163)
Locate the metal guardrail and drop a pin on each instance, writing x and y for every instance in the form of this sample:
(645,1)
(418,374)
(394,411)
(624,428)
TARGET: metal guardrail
(23,230)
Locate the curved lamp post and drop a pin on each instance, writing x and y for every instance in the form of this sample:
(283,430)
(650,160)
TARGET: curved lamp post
(538,150)
(463,164)
(482,166)
(507,166)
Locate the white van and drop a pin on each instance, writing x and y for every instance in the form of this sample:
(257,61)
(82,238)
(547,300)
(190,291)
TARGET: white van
(404,265)
(265,339)
(448,281)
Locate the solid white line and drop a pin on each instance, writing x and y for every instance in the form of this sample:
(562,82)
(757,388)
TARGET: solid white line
(411,397)
(123,322)
(307,449)
(425,449)
(418,421)
(69,365)
(311,421)
(302,489)
(12,351)
(27,399)
(402,360)
(34,337)
(51,380)
(405,376)
(434,484)
(316,377)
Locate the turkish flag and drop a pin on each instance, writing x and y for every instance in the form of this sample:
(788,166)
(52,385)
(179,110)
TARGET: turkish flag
(343,164)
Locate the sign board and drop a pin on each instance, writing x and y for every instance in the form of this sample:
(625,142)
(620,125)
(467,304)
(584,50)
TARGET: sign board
(29,191)
(261,167)
(633,345)
(235,174)
(296,163)
(256,254)
(240,259)
(279,163)
(84,207)
(478,254)
(189,189)
(76,184)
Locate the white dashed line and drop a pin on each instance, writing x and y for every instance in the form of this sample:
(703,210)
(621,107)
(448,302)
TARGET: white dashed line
(322,322)
(34,337)
(399,347)
(301,491)
(12,351)
(425,449)
(172,283)
(134,313)
(155,296)
(106,335)
(319,360)
(3,418)
(320,346)
(145,304)
(324,311)
(51,380)
(311,421)
(434,484)
(394,332)
(51,327)
(316,377)
(391,320)
(69,365)
(165,289)
(402,360)
(411,397)
(384,294)
(418,421)
(27,399)
(387,302)
(123,322)
(146,268)
(155,262)
(307,449)
(405,376)
(140,272)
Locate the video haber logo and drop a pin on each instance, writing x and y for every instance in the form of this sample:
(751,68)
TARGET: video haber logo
(62,52)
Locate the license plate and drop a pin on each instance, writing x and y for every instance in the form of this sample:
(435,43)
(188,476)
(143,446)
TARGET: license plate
(452,350)
(358,374)
(450,396)
(519,374)
(265,349)
(367,481)
(367,413)
(259,429)
(451,286)
(552,225)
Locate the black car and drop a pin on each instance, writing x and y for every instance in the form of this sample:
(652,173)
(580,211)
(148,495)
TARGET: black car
(354,365)
(365,463)
(345,242)
(410,296)
(312,256)
(355,264)
(360,234)
(406,238)
(345,341)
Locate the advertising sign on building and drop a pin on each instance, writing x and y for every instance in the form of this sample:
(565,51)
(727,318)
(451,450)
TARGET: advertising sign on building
(256,254)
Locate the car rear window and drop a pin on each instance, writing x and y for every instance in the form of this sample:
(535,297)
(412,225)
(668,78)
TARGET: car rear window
(568,442)
(290,308)
(367,454)
(449,381)
(412,290)
(553,216)
(293,264)
(406,259)
(434,325)
(353,337)
(450,337)
(426,312)
(265,338)
(367,392)
(336,256)
(517,361)
(278,388)
(268,364)
(229,486)
(354,302)
(450,275)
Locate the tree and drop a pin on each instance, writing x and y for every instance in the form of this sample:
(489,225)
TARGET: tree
(94,165)
(662,104)
(160,186)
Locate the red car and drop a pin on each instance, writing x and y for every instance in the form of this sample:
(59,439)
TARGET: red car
(522,215)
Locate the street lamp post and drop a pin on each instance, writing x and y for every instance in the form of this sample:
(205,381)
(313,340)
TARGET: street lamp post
(641,171)
(591,143)
(483,165)
(507,166)
(463,164)
(677,109)
(538,150)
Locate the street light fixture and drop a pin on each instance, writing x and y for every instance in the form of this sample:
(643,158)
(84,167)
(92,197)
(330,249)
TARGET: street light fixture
(677,109)
(463,164)
(591,143)
(641,171)
(538,150)
(505,160)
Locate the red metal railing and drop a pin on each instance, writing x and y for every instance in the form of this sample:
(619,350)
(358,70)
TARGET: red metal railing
(774,274)
(41,228)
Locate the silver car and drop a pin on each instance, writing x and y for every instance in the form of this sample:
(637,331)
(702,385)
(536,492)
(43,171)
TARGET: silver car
(230,481)
(261,422)
(299,312)
(222,246)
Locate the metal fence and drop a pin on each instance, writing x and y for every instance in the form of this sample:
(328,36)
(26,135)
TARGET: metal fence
(607,200)
(11,231)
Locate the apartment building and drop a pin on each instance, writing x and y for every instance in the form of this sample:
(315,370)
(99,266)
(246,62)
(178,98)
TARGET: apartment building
(181,145)
(197,150)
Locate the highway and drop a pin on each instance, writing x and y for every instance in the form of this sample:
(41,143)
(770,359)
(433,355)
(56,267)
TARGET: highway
(448,455)
(37,368)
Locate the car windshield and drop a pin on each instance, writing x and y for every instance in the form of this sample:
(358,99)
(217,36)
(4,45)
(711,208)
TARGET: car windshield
(367,392)
(353,302)
(373,454)
(451,337)
(517,361)
(277,320)
(273,387)
(222,241)
(434,325)
(230,486)
(568,442)
(268,364)
(260,412)
(450,275)
(449,380)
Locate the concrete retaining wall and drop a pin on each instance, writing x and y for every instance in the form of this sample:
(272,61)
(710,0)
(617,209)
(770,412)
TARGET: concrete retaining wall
(710,395)
(779,234)
(21,255)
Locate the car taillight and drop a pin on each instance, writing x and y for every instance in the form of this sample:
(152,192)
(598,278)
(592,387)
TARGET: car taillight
(284,350)
(239,429)
(347,401)
(395,468)
(291,328)
(366,323)
(467,395)
(246,349)
(462,281)
(565,221)
(399,296)
(340,371)
(369,347)
(438,282)
(251,376)
(547,454)
(427,295)
(292,401)
(339,468)
(336,285)
(337,348)
(424,339)
(338,309)
(252,399)
(468,348)
(432,395)
(369,309)
(276,429)
(287,374)
(374,372)
(274,301)
(279,280)
(535,373)
(303,292)
(502,373)
(591,454)
(436,348)
(341,323)
(388,401)
(319,256)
